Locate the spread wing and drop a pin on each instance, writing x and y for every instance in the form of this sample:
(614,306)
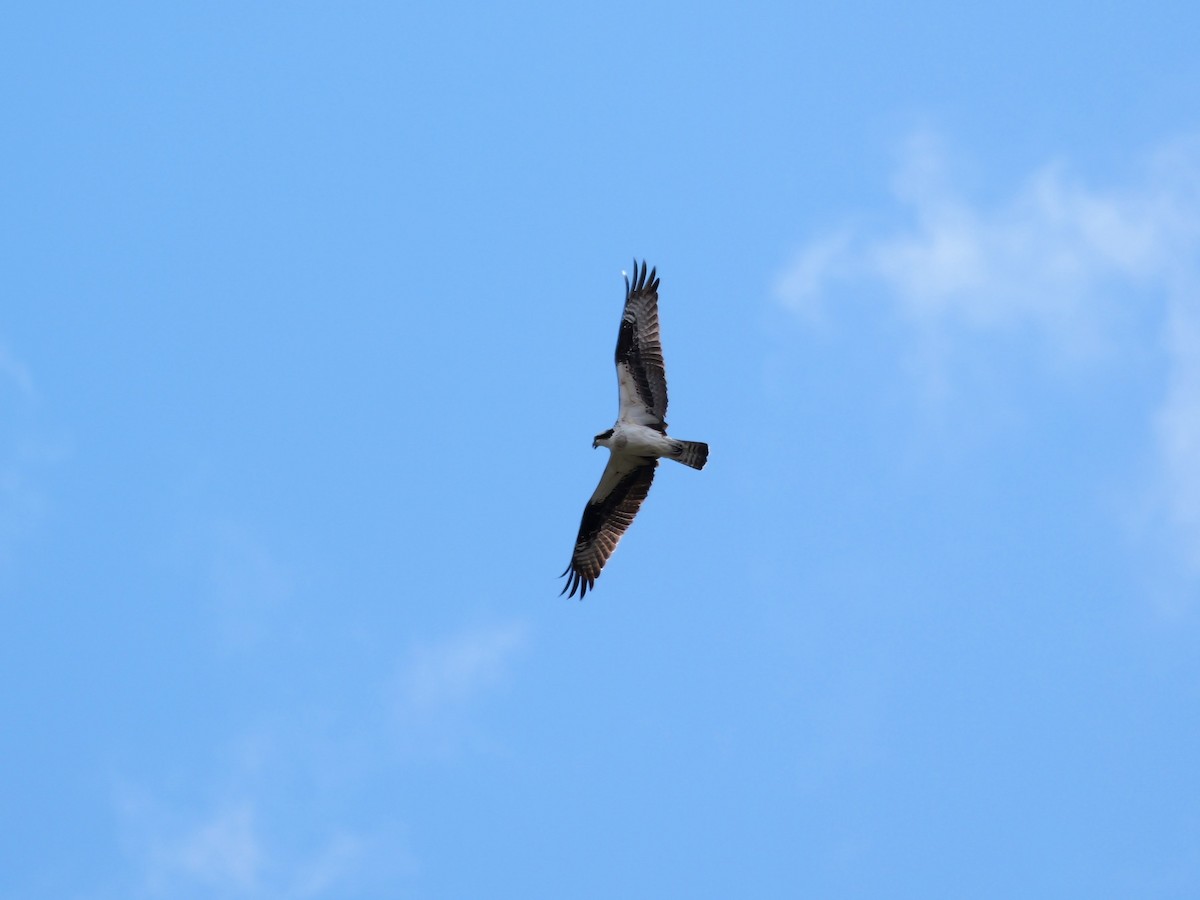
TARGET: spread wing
(623,487)
(641,379)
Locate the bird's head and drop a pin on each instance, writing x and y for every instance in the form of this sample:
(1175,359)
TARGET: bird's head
(601,438)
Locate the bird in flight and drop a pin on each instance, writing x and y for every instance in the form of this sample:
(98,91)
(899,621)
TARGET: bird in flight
(636,442)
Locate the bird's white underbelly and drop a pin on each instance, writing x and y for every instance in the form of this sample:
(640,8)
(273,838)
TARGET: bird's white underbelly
(639,440)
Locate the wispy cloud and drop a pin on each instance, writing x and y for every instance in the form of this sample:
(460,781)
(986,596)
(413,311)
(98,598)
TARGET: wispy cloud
(1072,263)
(1177,421)
(453,671)
(25,452)
(250,586)
(332,866)
(219,851)
(223,852)
(230,834)
(1054,253)
(236,848)
(441,685)
(16,374)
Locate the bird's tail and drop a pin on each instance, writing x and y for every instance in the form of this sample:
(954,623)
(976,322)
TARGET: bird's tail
(690,453)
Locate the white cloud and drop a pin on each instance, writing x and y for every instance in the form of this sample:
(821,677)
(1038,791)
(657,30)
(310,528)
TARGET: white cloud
(1072,263)
(330,867)
(237,849)
(220,851)
(1177,421)
(250,586)
(453,671)
(25,452)
(238,827)
(16,373)
(1052,254)
(223,852)
(824,259)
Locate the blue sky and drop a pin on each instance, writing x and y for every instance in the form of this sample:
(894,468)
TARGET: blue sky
(306,323)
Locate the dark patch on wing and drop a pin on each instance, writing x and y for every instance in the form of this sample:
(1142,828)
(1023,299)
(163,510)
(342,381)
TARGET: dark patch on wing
(603,523)
(639,347)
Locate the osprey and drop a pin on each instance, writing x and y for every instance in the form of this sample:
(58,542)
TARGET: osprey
(636,442)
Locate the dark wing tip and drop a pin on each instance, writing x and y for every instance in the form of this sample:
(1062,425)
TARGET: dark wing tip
(644,279)
(632,287)
(576,581)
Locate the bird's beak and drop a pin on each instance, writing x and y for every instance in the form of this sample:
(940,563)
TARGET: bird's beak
(595,444)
